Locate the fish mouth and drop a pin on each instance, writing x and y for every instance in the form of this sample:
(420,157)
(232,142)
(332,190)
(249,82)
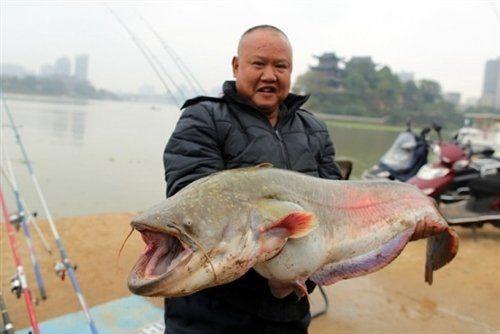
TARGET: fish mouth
(166,250)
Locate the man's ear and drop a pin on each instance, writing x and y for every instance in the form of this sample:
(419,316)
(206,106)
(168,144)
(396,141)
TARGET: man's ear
(235,64)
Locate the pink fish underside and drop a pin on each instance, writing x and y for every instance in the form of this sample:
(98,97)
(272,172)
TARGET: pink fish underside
(364,263)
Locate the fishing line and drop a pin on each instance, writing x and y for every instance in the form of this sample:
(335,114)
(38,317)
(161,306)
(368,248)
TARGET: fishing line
(185,71)
(142,47)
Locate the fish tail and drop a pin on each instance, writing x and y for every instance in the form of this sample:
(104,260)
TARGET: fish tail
(441,249)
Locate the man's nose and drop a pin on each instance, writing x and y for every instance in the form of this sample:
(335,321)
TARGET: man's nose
(269,74)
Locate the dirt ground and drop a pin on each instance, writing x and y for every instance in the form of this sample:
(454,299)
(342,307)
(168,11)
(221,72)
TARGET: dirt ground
(465,296)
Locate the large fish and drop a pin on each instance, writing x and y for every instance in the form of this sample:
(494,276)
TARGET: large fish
(288,226)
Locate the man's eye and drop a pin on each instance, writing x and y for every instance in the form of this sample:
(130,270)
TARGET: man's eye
(282,66)
(258,63)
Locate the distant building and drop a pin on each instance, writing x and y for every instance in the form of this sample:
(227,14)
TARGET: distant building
(452,97)
(46,70)
(13,70)
(406,76)
(491,84)
(361,60)
(82,67)
(62,67)
(328,63)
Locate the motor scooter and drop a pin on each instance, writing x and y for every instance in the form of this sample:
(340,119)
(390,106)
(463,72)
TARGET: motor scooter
(466,188)
(447,178)
(406,156)
(435,177)
(482,205)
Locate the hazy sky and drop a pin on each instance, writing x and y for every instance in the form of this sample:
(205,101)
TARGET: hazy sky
(448,41)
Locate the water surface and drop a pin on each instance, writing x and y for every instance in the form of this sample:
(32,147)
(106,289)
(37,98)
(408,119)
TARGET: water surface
(106,156)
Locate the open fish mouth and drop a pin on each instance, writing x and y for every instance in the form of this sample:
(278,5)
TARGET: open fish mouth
(165,251)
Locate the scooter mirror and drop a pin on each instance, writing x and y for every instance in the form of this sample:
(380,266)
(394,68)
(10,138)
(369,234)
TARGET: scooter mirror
(488,152)
(437,128)
(425,131)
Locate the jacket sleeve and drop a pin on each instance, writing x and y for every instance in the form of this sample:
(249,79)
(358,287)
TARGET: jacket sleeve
(192,152)
(327,167)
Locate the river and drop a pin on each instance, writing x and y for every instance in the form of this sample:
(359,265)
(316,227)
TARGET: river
(106,156)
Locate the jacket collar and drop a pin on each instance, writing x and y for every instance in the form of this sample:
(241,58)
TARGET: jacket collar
(291,103)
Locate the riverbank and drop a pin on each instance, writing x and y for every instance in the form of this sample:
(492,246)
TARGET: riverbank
(463,298)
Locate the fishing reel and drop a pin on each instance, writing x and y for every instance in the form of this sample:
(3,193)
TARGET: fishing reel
(17,218)
(61,270)
(15,286)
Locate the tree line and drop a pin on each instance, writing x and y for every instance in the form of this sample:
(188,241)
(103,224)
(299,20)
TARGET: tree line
(54,85)
(359,87)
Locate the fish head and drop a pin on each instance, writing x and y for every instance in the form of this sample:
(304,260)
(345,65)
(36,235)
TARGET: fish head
(194,240)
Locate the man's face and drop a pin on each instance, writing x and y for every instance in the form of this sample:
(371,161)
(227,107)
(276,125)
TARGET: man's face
(263,68)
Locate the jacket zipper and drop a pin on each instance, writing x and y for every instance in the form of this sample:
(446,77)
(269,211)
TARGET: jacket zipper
(283,149)
(284,155)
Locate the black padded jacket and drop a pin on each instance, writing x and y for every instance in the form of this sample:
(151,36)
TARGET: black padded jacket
(214,134)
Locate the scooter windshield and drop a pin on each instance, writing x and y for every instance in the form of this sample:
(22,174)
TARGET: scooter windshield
(400,155)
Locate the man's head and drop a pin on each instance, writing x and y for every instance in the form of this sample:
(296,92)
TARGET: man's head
(263,67)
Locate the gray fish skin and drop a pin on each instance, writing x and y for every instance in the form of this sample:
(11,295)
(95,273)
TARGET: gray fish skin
(288,226)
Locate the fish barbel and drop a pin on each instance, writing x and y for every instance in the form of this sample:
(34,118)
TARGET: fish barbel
(288,226)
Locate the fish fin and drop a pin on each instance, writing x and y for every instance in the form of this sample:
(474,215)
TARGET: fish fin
(296,224)
(364,263)
(428,227)
(300,288)
(265,165)
(441,249)
(281,289)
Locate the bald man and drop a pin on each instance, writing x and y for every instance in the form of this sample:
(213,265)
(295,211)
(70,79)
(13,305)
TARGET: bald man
(256,120)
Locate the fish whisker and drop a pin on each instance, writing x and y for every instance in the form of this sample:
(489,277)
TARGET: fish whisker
(198,244)
(123,245)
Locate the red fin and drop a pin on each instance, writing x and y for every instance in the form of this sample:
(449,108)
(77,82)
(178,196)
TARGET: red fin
(296,224)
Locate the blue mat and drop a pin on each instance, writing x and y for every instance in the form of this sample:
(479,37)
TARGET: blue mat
(129,315)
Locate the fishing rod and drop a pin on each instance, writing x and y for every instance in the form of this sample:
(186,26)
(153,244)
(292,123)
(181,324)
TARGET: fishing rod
(28,214)
(65,263)
(20,284)
(183,68)
(26,230)
(143,49)
(8,327)
(159,63)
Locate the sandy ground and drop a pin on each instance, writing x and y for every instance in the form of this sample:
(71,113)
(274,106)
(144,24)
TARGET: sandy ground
(465,296)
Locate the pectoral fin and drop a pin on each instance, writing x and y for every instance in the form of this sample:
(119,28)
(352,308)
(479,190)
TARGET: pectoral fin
(294,225)
(277,222)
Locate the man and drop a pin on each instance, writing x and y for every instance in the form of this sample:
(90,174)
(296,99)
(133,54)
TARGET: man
(257,120)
